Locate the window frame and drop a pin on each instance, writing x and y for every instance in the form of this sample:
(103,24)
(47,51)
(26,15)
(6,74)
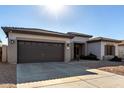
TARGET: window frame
(109,50)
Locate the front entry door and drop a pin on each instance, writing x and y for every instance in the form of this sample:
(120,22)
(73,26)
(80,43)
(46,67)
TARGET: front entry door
(78,50)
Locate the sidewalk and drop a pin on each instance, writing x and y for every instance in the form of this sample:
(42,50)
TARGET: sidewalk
(100,80)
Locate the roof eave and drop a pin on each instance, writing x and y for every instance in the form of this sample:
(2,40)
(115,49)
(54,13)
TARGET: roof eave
(121,44)
(7,30)
(92,41)
(88,36)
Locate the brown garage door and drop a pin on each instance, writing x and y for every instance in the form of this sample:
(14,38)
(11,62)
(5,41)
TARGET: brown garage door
(30,51)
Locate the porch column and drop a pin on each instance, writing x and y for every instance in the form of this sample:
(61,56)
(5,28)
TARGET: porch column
(67,51)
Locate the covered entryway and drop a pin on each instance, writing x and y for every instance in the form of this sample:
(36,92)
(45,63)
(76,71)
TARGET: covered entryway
(32,51)
(79,50)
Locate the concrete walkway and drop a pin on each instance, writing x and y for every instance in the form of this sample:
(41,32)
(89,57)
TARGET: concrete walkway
(100,80)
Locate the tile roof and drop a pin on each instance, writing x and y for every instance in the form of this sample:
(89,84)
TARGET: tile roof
(103,39)
(42,31)
(122,43)
(79,34)
(33,31)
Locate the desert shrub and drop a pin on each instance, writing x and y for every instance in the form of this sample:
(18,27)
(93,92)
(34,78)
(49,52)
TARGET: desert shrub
(89,57)
(115,58)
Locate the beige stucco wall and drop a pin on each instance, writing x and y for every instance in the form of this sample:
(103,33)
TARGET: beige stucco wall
(80,39)
(121,51)
(0,44)
(95,48)
(12,48)
(4,53)
(109,43)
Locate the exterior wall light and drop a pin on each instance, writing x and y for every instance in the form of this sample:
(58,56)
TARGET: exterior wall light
(12,41)
(68,46)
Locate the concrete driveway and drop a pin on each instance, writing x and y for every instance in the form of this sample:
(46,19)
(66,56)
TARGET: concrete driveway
(64,75)
(32,72)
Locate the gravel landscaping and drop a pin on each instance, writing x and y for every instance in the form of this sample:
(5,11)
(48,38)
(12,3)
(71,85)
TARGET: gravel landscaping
(7,75)
(113,67)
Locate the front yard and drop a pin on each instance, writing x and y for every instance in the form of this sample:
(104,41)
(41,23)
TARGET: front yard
(113,67)
(7,75)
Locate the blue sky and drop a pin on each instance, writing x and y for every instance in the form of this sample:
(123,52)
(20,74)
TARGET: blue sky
(106,21)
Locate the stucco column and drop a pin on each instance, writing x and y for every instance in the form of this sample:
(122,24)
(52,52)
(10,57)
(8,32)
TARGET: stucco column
(86,49)
(72,50)
(102,51)
(116,50)
(12,50)
(67,51)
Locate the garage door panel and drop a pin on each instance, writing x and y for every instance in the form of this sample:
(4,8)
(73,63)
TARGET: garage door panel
(29,51)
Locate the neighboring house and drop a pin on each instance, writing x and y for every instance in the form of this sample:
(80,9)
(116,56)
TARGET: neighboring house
(103,48)
(121,49)
(27,45)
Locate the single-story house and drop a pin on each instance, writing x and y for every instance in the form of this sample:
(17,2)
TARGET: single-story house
(27,45)
(121,49)
(37,45)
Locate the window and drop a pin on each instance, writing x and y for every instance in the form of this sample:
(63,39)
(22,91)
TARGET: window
(109,50)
